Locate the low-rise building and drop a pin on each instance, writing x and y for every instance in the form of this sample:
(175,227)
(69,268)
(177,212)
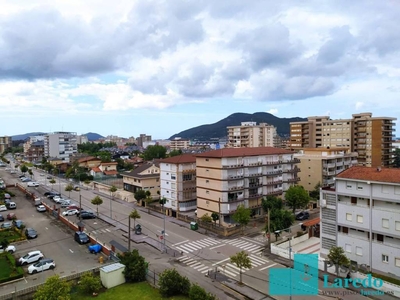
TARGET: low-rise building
(361,215)
(145,177)
(178,183)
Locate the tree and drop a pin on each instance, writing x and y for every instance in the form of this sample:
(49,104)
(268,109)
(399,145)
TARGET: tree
(296,197)
(53,288)
(154,152)
(23,169)
(215,218)
(133,215)
(242,216)
(396,158)
(89,284)
(97,201)
(175,153)
(4,243)
(338,257)
(52,181)
(148,200)
(271,202)
(140,195)
(135,266)
(196,292)
(112,191)
(280,219)
(314,194)
(206,219)
(30,172)
(241,260)
(172,283)
(68,189)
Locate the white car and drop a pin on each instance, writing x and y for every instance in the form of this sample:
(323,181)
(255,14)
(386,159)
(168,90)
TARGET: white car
(3,208)
(10,249)
(31,257)
(70,212)
(43,265)
(41,208)
(33,183)
(58,199)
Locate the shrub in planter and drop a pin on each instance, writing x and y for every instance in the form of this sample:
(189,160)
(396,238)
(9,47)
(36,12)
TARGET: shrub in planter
(172,283)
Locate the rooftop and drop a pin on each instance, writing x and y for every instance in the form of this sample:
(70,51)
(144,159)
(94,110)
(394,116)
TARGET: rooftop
(180,159)
(391,175)
(242,152)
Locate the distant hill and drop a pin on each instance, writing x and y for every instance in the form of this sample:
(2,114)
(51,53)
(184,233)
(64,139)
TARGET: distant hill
(218,129)
(93,136)
(24,136)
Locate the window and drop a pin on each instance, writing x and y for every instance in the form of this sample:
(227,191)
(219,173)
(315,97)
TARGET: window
(207,192)
(206,159)
(359,251)
(379,238)
(353,200)
(385,258)
(348,186)
(359,188)
(397,225)
(207,181)
(349,217)
(173,176)
(385,223)
(360,219)
(345,229)
(348,248)
(397,262)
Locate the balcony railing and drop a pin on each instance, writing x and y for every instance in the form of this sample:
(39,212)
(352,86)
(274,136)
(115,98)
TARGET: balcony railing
(292,180)
(276,172)
(255,184)
(274,182)
(253,175)
(235,176)
(254,196)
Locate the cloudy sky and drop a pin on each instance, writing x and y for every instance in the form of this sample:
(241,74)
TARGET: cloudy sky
(159,67)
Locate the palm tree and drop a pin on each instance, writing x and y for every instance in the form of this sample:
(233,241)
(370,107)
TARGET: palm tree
(133,215)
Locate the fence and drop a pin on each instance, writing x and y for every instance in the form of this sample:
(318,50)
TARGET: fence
(110,180)
(152,277)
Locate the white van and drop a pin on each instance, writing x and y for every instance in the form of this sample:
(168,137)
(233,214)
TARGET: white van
(12,205)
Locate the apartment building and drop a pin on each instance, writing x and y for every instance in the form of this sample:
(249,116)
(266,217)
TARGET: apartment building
(60,145)
(145,177)
(361,215)
(142,139)
(5,143)
(371,137)
(35,153)
(178,183)
(229,177)
(249,134)
(179,144)
(321,165)
(82,139)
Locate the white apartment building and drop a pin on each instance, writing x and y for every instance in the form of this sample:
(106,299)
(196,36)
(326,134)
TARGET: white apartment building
(249,134)
(179,144)
(362,215)
(60,145)
(82,139)
(178,183)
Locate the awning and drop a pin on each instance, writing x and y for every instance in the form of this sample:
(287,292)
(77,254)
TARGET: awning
(311,222)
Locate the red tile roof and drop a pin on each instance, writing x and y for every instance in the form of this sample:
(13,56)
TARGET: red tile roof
(87,158)
(311,222)
(180,159)
(96,169)
(109,163)
(112,172)
(391,175)
(241,152)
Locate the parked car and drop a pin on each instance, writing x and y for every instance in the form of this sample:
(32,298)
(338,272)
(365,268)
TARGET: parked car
(81,237)
(50,195)
(1,218)
(49,177)
(3,208)
(7,202)
(30,257)
(11,205)
(26,179)
(87,215)
(18,223)
(70,212)
(77,188)
(42,265)
(304,215)
(7,196)
(94,249)
(74,207)
(10,249)
(11,216)
(58,199)
(65,203)
(6,225)
(30,233)
(21,176)
(41,208)
(33,183)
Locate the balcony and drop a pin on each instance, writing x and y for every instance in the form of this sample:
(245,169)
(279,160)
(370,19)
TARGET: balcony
(253,175)
(329,165)
(235,188)
(232,166)
(277,192)
(255,184)
(294,170)
(235,177)
(274,182)
(292,180)
(276,172)
(252,196)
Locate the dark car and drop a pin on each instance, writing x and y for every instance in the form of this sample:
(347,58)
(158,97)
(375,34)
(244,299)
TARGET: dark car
(1,218)
(31,233)
(18,223)
(304,215)
(50,195)
(81,237)
(87,215)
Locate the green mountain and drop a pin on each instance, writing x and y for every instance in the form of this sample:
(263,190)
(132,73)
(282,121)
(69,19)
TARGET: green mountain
(218,129)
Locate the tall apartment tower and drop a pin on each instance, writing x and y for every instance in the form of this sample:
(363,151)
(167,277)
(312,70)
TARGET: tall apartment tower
(60,144)
(249,134)
(142,139)
(5,143)
(371,137)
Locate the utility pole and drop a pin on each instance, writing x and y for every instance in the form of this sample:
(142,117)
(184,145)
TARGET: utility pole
(129,234)
(80,206)
(269,231)
(164,228)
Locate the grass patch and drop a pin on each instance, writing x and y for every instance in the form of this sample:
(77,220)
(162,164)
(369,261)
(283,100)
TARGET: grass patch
(8,268)
(11,235)
(5,269)
(386,278)
(127,291)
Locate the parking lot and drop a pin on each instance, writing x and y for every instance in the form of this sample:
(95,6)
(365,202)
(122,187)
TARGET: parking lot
(54,240)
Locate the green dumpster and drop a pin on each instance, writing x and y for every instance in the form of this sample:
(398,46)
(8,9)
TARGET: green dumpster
(194,226)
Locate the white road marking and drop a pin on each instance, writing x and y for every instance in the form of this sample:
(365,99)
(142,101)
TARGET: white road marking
(184,251)
(71,251)
(217,246)
(197,267)
(267,267)
(205,268)
(46,228)
(221,261)
(227,272)
(179,243)
(108,230)
(253,241)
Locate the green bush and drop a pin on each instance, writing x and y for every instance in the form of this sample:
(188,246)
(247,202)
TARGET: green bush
(135,266)
(15,271)
(196,292)
(386,278)
(172,284)
(89,284)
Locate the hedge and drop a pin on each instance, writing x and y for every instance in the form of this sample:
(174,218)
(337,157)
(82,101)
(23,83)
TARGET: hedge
(17,272)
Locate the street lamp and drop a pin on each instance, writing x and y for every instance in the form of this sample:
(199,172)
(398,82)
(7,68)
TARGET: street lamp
(289,229)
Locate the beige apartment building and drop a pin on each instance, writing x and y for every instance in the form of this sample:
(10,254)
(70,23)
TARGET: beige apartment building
(178,183)
(179,144)
(145,177)
(249,134)
(5,143)
(321,165)
(229,177)
(371,137)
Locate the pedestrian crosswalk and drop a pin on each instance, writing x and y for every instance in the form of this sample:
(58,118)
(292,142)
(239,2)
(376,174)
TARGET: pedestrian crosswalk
(99,231)
(194,264)
(231,270)
(246,245)
(187,247)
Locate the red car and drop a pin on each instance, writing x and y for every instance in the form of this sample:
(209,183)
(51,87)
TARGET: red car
(11,216)
(73,207)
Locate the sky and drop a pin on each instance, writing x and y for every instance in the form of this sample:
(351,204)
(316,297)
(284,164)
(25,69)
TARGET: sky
(128,67)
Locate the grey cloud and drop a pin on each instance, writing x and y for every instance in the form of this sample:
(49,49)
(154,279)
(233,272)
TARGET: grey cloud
(336,47)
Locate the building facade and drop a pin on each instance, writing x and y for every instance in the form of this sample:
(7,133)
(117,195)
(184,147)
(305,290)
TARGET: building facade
(178,183)
(5,143)
(179,144)
(230,177)
(142,138)
(35,153)
(82,139)
(249,134)
(60,145)
(321,165)
(145,177)
(361,215)
(371,137)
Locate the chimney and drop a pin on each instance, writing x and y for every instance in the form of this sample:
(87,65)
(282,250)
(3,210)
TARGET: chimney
(379,169)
